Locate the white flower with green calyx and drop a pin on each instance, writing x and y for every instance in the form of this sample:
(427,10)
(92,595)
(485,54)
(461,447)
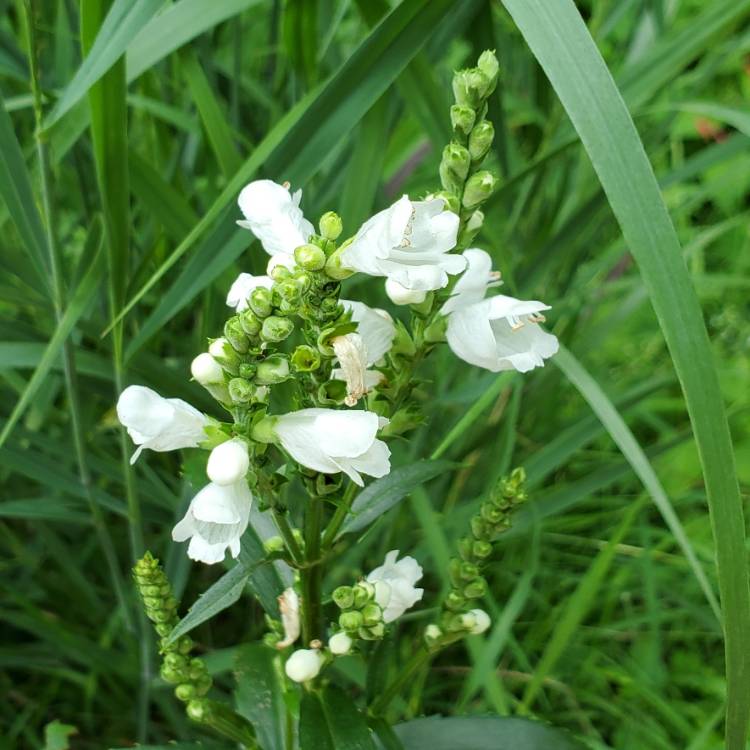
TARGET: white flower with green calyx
(340,644)
(215,521)
(394,582)
(330,441)
(290,620)
(409,242)
(229,462)
(273,215)
(499,333)
(304,664)
(359,350)
(240,290)
(477,621)
(158,423)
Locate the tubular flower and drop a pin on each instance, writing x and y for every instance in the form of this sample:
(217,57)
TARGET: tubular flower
(394,582)
(241,288)
(216,519)
(157,423)
(409,243)
(228,462)
(303,665)
(333,441)
(273,215)
(499,333)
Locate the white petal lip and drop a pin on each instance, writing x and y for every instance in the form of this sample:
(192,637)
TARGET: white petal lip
(241,288)
(375,326)
(474,282)
(273,215)
(157,423)
(394,581)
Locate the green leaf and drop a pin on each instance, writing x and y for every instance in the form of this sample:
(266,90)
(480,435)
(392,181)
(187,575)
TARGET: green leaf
(259,694)
(380,496)
(560,41)
(124,20)
(331,721)
(481,733)
(16,192)
(81,299)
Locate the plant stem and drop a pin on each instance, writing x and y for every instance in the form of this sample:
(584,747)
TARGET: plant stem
(311,574)
(421,657)
(288,535)
(339,516)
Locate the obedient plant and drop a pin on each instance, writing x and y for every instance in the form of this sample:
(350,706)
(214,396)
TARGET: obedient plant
(310,388)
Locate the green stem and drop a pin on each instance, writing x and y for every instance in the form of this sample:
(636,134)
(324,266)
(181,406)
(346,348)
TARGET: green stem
(339,516)
(419,659)
(311,574)
(288,536)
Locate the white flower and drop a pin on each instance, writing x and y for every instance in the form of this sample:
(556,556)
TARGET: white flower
(206,370)
(400,295)
(289,608)
(239,292)
(394,585)
(303,665)
(157,423)
(499,333)
(408,242)
(228,462)
(273,215)
(481,621)
(332,441)
(357,351)
(340,644)
(216,519)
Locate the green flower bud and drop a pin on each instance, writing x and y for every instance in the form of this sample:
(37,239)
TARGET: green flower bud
(264,431)
(334,267)
(280,272)
(247,370)
(451,200)
(197,710)
(171,675)
(288,291)
(454,601)
(223,352)
(350,621)
(273,370)
(236,336)
(163,629)
(364,593)
(330,226)
(276,328)
(435,332)
(372,633)
(404,420)
(372,614)
(303,280)
(250,322)
(470,87)
(471,229)
(462,119)
(489,65)
(468,571)
(479,187)
(305,359)
(184,644)
(475,589)
(175,661)
(260,301)
(480,529)
(203,684)
(480,140)
(310,257)
(241,391)
(454,167)
(185,692)
(343,596)
(491,513)
(481,549)
(432,635)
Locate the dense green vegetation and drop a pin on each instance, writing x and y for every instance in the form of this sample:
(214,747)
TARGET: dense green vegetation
(118,181)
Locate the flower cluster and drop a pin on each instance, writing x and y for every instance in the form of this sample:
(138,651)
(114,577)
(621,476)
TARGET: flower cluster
(312,386)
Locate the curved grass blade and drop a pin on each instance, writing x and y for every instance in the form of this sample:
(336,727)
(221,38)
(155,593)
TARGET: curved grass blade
(561,43)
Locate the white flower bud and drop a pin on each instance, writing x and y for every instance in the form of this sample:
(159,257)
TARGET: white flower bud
(206,370)
(303,665)
(340,644)
(482,621)
(400,295)
(228,462)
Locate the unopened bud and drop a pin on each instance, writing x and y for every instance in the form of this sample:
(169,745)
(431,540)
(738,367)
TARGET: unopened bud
(480,140)
(470,87)
(236,336)
(209,373)
(372,633)
(481,549)
(197,710)
(482,621)
(310,257)
(479,187)
(343,596)
(330,225)
(350,621)
(489,65)
(288,291)
(475,589)
(454,601)
(273,370)
(364,592)
(273,544)
(241,391)
(335,265)
(247,370)
(454,167)
(276,328)
(462,119)
(223,352)
(340,644)
(260,301)
(432,635)
(372,614)
(305,359)
(279,272)
(228,462)
(185,692)
(249,322)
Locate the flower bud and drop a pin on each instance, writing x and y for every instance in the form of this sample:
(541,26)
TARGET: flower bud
(471,229)
(340,644)
(209,373)
(475,589)
(363,592)
(481,549)
(454,601)
(303,665)
(436,331)
(489,65)
(334,267)
(481,621)
(273,544)
(405,419)
(480,140)
(247,370)
(330,226)
(241,391)
(400,295)
(279,272)
(491,513)
(310,257)
(170,674)
(288,291)
(249,322)
(372,633)
(273,370)
(454,167)
(372,614)
(223,352)
(305,359)
(343,596)
(276,328)
(479,187)
(228,462)
(236,336)
(481,529)
(197,710)
(462,119)
(432,635)
(185,692)
(260,301)
(350,621)
(203,684)
(470,87)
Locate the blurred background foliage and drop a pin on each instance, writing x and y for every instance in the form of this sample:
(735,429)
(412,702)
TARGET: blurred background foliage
(600,624)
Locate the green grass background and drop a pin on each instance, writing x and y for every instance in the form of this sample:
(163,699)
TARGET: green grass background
(118,211)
